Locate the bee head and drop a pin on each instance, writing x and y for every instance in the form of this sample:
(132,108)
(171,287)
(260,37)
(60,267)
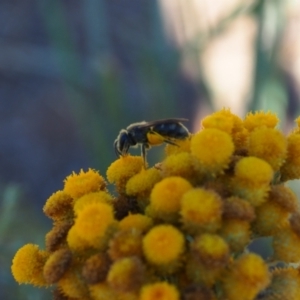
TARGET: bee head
(123,142)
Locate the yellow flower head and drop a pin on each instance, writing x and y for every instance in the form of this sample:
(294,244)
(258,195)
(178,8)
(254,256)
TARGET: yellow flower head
(166,195)
(236,232)
(102,291)
(57,264)
(237,208)
(222,120)
(163,245)
(213,148)
(269,218)
(57,235)
(136,221)
(72,285)
(295,222)
(285,283)
(201,210)
(126,274)
(124,168)
(291,168)
(252,177)
(77,185)
(93,221)
(97,197)
(286,245)
(59,206)
(268,144)
(260,119)
(211,249)
(247,276)
(181,164)
(96,268)
(284,197)
(125,243)
(181,146)
(159,291)
(140,184)
(27,265)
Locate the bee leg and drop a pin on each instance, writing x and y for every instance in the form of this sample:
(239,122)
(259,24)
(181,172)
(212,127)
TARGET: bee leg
(144,147)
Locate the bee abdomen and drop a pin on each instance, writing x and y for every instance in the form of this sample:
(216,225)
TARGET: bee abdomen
(172,130)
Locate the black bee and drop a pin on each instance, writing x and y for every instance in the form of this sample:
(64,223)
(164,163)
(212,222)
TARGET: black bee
(149,134)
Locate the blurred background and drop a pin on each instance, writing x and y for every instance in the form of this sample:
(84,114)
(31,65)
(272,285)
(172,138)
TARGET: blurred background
(73,73)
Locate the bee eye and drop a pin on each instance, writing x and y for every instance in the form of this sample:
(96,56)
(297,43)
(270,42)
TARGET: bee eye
(123,140)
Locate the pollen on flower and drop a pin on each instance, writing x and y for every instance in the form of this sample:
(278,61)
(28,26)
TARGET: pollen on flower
(59,206)
(181,146)
(77,185)
(260,119)
(140,184)
(211,249)
(285,283)
(92,222)
(57,264)
(126,274)
(222,120)
(159,291)
(125,243)
(268,144)
(97,197)
(247,276)
(163,245)
(252,177)
(213,148)
(181,164)
(27,265)
(96,268)
(165,197)
(286,245)
(291,168)
(121,170)
(136,221)
(201,210)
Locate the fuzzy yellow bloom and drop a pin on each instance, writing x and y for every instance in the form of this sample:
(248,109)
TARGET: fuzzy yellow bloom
(27,265)
(252,177)
(163,245)
(140,184)
(56,265)
(182,164)
(213,148)
(260,119)
(165,197)
(136,221)
(102,291)
(270,217)
(236,232)
(201,210)
(247,276)
(181,146)
(159,291)
(59,206)
(76,185)
(285,284)
(92,222)
(286,245)
(126,274)
(291,168)
(124,168)
(73,285)
(222,120)
(211,249)
(268,144)
(97,197)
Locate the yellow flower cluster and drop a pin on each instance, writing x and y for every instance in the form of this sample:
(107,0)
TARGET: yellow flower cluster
(180,229)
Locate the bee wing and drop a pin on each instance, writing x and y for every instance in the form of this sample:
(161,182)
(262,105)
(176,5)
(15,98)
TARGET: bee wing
(162,121)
